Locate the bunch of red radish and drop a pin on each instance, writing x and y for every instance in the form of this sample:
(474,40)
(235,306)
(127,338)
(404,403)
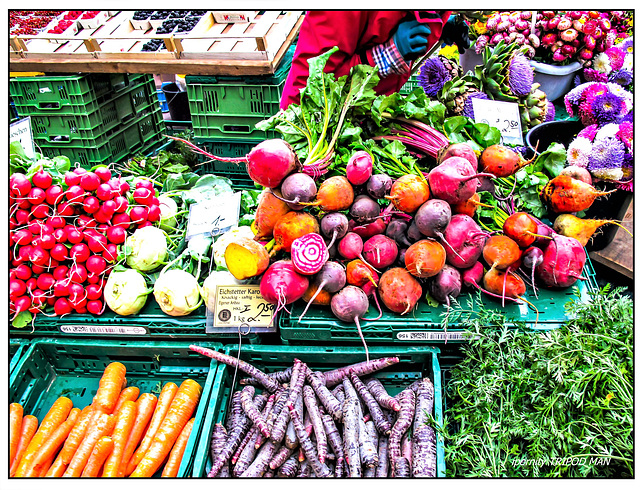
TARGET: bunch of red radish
(65,236)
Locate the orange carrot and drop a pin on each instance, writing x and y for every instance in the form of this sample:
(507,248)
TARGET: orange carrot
(110,386)
(124,424)
(128,394)
(76,435)
(146,405)
(164,401)
(29,428)
(175,456)
(182,408)
(44,468)
(50,447)
(103,427)
(57,469)
(15,427)
(100,453)
(57,414)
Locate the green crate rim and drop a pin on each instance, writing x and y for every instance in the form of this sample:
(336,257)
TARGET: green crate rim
(214,414)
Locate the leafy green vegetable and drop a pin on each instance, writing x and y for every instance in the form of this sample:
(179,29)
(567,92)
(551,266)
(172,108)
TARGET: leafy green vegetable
(461,129)
(526,403)
(552,159)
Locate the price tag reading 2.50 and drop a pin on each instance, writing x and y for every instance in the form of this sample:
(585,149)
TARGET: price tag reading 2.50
(502,115)
(242,306)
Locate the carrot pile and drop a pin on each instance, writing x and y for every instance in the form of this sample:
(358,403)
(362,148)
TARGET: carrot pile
(122,433)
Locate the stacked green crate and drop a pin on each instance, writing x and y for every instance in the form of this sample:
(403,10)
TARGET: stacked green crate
(92,119)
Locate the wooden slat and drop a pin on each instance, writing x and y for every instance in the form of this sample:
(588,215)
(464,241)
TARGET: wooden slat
(618,255)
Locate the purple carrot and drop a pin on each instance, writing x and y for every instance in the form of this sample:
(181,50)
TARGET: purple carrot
(261,463)
(248,453)
(330,402)
(290,437)
(319,468)
(377,389)
(406,447)
(283,454)
(246,397)
(289,468)
(401,468)
(335,376)
(407,399)
(304,469)
(368,450)
(281,377)
(382,470)
(424,403)
(278,404)
(311,404)
(381,423)
(338,392)
(218,441)
(351,416)
(270,384)
(424,452)
(298,376)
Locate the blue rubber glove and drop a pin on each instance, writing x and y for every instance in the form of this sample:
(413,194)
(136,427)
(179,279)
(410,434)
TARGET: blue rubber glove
(411,39)
(456,32)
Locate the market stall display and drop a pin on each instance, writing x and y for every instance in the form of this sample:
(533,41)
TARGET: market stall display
(258,292)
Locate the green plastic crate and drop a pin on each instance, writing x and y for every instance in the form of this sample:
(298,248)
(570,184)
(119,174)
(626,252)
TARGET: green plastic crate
(95,125)
(415,363)
(139,135)
(424,324)
(52,368)
(68,94)
(17,348)
(150,323)
(410,85)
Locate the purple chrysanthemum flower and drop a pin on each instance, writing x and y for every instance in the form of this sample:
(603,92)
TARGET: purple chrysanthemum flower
(551,112)
(574,96)
(625,134)
(627,117)
(606,108)
(589,132)
(592,75)
(616,57)
(626,45)
(433,76)
(467,110)
(606,155)
(621,77)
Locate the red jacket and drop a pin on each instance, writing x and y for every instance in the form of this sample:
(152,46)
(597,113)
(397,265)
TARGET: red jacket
(355,32)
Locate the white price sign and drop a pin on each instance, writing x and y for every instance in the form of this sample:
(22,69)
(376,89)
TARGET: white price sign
(502,115)
(214,216)
(240,307)
(21,131)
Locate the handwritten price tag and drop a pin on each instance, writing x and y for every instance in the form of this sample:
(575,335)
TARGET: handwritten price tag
(502,115)
(214,216)
(240,307)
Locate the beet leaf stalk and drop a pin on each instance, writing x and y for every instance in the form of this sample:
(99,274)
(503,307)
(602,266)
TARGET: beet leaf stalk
(417,135)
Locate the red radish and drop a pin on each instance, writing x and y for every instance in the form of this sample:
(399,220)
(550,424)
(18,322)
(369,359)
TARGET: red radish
(359,167)
(96,264)
(79,252)
(154,213)
(102,228)
(380,251)
(521,228)
(89,181)
(501,161)
(23,203)
(408,193)
(19,185)
(309,253)
(138,214)
(41,211)
(292,225)
(562,263)
(78,273)
(94,291)
(23,303)
(122,220)
(56,222)
(111,253)
(116,234)
(42,179)
(85,222)
(71,178)
(24,253)
(581,229)
(16,289)
(270,209)
(45,281)
(121,204)
(143,183)
(501,252)
(104,173)
(77,295)
(462,150)
(268,163)
(61,288)
(143,196)
(62,307)
(60,272)
(95,307)
(454,180)
(38,301)
(331,278)
(334,226)
(22,272)
(109,207)
(75,194)
(379,185)
(425,258)
(53,194)
(145,224)
(281,285)
(32,282)
(564,194)
(359,274)
(22,216)
(399,290)
(47,241)
(93,278)
(96,243)
(335,194)
(349,305)
(65,209)
(39,256)
(297,188)
(104,192)
(90,204)
(36,196)
(22,237)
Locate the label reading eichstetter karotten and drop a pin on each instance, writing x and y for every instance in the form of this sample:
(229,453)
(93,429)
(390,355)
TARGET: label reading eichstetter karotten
(241,308)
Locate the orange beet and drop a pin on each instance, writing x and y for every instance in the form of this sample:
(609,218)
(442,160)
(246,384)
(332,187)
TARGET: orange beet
(269,211)
(580,229)
(322,299)
(564,194)
(501,161)
(399,290)
(292,225)
(502,283)
(500,252)
(408,193)
(521,228)
(359,273)
(425,258)
(335,194)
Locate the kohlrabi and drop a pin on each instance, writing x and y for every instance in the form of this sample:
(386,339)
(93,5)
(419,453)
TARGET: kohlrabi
(146,249)
(126,291)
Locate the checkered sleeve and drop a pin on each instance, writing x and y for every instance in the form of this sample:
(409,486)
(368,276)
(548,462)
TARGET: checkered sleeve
(388,59)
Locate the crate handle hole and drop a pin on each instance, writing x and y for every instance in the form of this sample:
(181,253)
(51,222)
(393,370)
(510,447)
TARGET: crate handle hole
(48,105)
(236,129)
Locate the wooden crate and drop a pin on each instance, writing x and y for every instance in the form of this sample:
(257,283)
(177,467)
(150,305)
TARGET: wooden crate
(618,255)
(209,48)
